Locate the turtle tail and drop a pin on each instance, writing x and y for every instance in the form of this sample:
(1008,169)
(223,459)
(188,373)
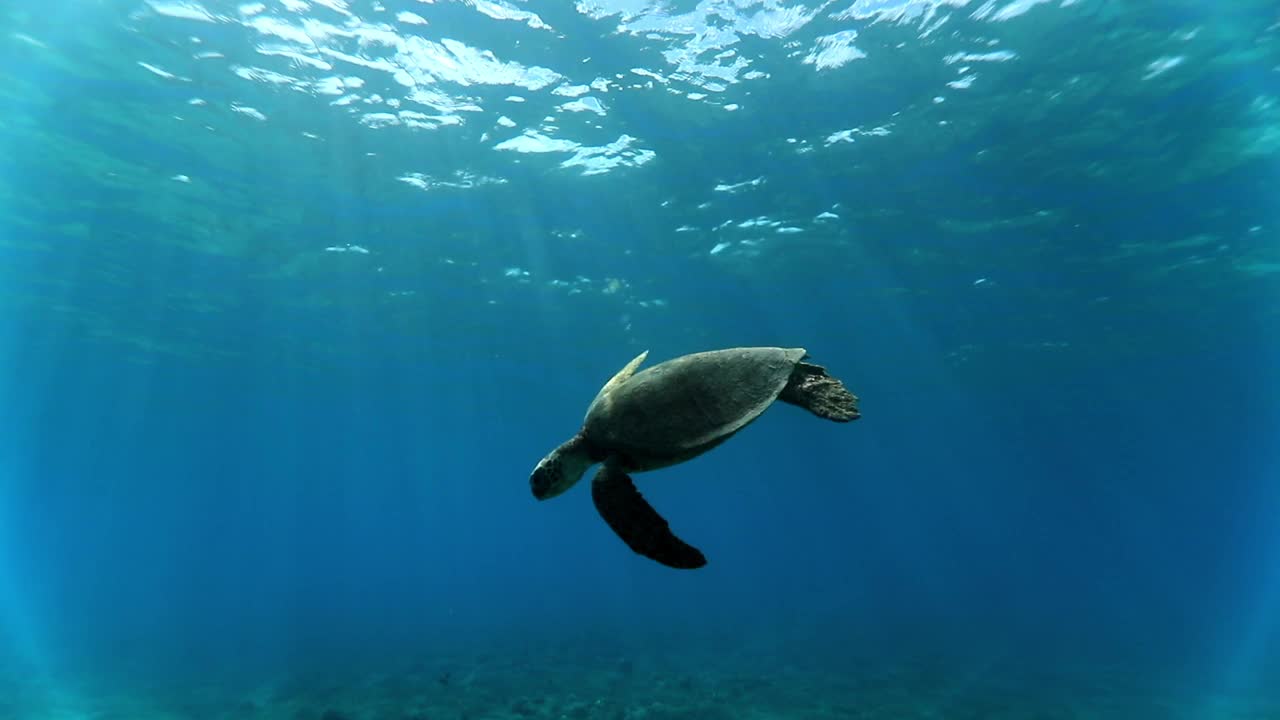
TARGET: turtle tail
(813,389)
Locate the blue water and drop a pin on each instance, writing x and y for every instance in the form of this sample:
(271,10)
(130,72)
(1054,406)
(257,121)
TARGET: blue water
(294,295)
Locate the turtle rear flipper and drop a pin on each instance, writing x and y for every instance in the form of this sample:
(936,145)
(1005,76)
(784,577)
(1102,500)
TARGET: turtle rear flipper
(813,389)
(637,523)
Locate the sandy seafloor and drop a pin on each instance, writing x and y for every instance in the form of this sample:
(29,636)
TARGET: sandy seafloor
(599,677)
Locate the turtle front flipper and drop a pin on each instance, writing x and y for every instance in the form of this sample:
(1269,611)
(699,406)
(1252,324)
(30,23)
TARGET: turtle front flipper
(637,523)
(813,389)
(622,376)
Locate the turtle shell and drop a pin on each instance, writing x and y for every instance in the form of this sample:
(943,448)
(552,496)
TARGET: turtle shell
(690,403)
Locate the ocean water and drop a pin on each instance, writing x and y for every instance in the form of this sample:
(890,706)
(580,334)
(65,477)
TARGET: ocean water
(294,294)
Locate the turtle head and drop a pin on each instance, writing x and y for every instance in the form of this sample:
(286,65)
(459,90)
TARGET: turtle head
(562,468)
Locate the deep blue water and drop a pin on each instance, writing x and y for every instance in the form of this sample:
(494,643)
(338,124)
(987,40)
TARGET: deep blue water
(283,333)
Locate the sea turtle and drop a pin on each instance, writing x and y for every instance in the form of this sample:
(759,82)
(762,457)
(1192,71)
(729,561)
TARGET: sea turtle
(672,412)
